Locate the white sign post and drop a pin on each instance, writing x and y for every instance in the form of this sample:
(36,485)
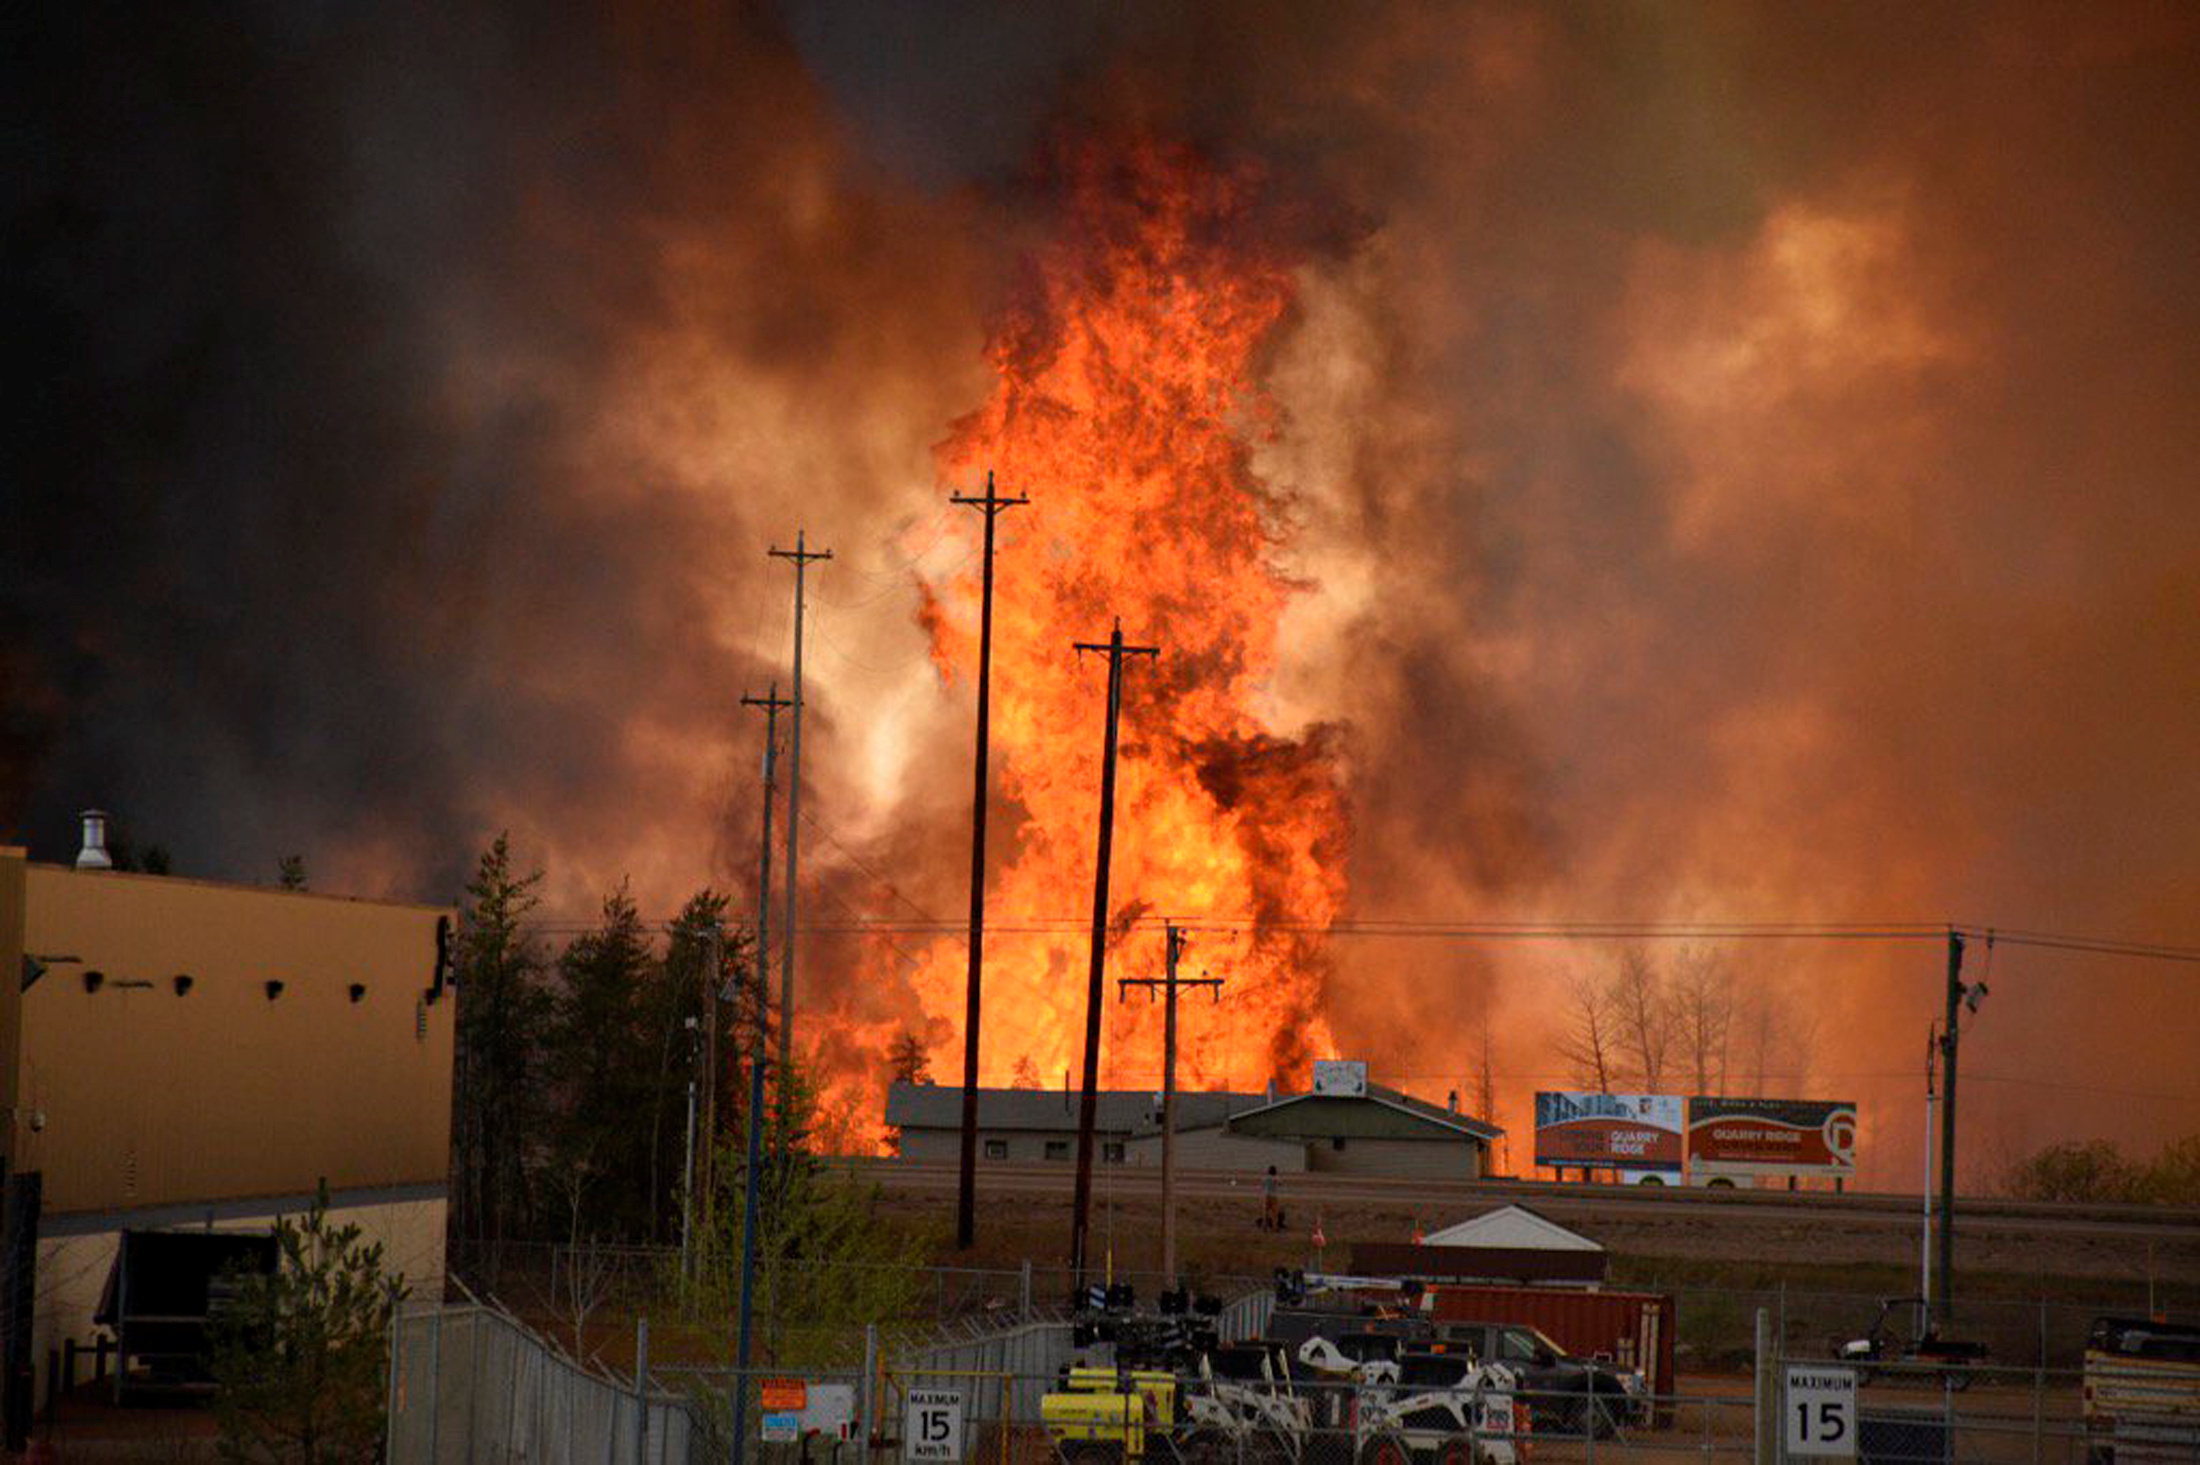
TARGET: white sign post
(932,1427)
(1820,1410)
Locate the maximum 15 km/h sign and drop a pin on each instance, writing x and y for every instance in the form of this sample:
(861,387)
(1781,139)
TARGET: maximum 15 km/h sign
(932,1426)
(1819,1411)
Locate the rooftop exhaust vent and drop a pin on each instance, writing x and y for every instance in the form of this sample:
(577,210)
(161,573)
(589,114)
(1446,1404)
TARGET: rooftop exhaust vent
(94,856)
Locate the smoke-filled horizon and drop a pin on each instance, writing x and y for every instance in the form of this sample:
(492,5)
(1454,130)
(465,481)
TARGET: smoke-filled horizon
(1721,464)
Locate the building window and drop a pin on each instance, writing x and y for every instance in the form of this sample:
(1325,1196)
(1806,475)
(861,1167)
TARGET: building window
(1337,1143)
(996,1149)
(1112,1152)
(1057,1149)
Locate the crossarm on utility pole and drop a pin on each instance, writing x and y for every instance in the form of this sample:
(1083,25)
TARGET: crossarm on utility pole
(1170,984)
(966,1187)
(1096,988)
(801,555)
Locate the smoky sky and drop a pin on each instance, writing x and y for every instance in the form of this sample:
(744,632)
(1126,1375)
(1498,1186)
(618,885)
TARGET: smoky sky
(1739,462)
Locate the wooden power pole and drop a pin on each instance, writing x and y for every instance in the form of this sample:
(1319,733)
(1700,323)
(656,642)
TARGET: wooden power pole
(966,1202)
(1948,1034)
(801,555)
(759,972)
(1171,984)
(1095,994)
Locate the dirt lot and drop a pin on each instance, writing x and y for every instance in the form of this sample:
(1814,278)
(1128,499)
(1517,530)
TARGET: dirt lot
(1794,1235)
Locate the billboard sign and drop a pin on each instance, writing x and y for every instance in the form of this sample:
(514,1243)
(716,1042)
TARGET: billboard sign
(1344,1076)
(1771,1137)
(1609,1131)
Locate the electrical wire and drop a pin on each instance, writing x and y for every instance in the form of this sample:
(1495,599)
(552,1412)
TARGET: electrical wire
(1887,931)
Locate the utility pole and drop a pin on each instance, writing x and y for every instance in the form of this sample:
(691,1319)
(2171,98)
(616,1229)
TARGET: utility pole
(1925,1225)
(1081,1217)
(1948,1131)
(966,1202)
(758,971)
(1170,984)
(706,1160)
(801,555)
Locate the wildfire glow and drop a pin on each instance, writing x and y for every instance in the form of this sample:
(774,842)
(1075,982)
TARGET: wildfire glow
(1124,400)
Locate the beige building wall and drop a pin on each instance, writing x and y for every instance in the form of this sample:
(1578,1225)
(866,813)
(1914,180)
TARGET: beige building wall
(1217,1148)
(134,1095)
(145,1107)
(1418,1159)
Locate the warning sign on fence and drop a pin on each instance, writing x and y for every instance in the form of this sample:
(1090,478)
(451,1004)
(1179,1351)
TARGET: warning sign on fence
(784,1396)
(932,1428)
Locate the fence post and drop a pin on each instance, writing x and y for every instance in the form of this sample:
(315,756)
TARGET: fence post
(866,1395)
(641,1390)
(389,1415)
(511,1388)
(1027,1289)
(2039,1381)
(473,1383)
(1768,1408)
(1006,1387)
(435,1381)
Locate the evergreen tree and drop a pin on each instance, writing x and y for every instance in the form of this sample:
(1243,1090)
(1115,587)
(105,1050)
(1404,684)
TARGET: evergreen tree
(607,1049)
(907,1061)
(504,1014)
(299,1353)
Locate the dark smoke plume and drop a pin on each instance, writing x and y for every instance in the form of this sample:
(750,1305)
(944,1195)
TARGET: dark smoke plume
(1741,459)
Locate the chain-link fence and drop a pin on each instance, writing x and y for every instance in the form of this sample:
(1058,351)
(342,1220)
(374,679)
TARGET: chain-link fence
(471,1383)
(915,1416)
(556,1279)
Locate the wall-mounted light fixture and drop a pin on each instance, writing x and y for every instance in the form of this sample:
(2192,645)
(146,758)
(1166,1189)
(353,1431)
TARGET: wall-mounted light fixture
(94,980)
(274,989)
(183,984)
(358,991)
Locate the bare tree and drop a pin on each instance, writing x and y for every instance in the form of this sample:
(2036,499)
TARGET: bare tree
(586,1279)
(581,1285)
(1590,1042)
(1644,1017)
(1702,991)
(1485,1078)
(1775,1037)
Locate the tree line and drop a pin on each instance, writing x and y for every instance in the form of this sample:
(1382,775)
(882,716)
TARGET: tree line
(1642,1025)
(572,1068)
(2096,1170)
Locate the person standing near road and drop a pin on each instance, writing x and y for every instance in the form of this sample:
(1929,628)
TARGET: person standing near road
(1271,1212)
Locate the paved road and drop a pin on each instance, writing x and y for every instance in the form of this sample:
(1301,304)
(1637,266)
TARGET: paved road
(1562,1201)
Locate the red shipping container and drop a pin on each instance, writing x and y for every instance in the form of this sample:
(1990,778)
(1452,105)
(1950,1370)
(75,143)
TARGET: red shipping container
(1632,1329)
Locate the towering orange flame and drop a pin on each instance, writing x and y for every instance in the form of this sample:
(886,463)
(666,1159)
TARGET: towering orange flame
(1125,400)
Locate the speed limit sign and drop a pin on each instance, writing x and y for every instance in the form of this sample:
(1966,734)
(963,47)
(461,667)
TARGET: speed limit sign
(932,1426)
(1820,1410)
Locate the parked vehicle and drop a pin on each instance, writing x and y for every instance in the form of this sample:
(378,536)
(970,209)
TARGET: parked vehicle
(1892,1347)
(2142,1391)
(1110,1416)
(1566,1395)
(1440,1409)
(1244,1406)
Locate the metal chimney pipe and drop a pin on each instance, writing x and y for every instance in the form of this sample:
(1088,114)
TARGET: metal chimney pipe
(94,856)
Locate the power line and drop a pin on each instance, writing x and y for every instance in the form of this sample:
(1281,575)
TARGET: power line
(1888,931)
